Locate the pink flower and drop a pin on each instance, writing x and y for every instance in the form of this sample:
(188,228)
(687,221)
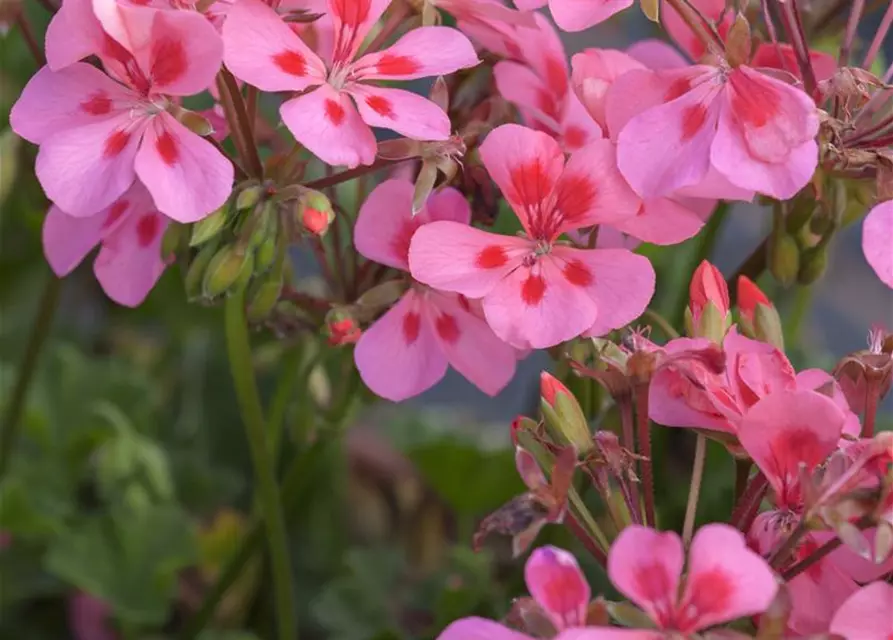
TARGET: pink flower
(89,618)
(540,90)
(877,241)
(129,233)
(407,350)
(262,50)
(527,284)
(577,15)
(724,580)
(97,134)
(754,131)
(866,614)
(708,286)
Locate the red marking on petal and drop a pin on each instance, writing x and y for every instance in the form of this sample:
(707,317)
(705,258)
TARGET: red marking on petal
(167,148)
(380,105)
(393,65)
(141,3)
(513,49)
(804,550)
(679,87)
(98,104)
(546,103)
(654,584)
(447,328)
(491,257)
(168,61)
(753,103)
(291,62)
(463,302)
(400,243)
(574,137)
(115,212)
(576,196)
(693,119)
(351,12)
(412,324)
(147,229)
(335,112)
(529,183)
(556,76)
(578,273)
(115,143)
(709,592)
(533,290)
(113,49)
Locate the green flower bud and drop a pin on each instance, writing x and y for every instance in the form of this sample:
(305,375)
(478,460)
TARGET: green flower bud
(173,240)
(784,258)
(209,227)
(262,296)
(249,197)
(813,263)
(563,413)
(767,326)
(195,275)
(225,269)
(314,212)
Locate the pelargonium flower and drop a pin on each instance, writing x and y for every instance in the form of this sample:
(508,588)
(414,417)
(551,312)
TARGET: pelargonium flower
(408,349)
(528,284)
(724,579)
(576,15)
(129,233)
(263,50)
(98,133)
(866,614)
(877,241)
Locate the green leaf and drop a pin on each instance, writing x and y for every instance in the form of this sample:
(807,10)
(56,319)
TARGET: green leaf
(130,561)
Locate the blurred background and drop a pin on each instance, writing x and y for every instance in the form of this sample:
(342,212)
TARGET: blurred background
(129,491)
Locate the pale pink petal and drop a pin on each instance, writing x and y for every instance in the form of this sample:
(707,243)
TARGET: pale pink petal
(755,369)
(405,112)
(866,614)
(352,20)
(186,175)
(84,170)
(662,221)
(725,580)
(668,146)
(129,263)
(526,5)
(786,429)
(576,15)
(715,186)
(518,84)
(877,241)
(423,52)
(263,51)
(470,345)
(645,565)
(326,122)
(73,34)
(816,594)
(398,356)
(594,71)
(56,101)
(577,129)
(543,49)
(815,379)
(525,164)
(455,257)
(555,581)
(184,53)
(656,55)
(447,204)
(682,34)
(674,401)
(67,240)
(479,629)
(529,307)
(620,283)
(860,569)
(609,633)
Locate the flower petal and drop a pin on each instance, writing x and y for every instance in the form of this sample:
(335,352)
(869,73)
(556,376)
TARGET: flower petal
(422,52)
(352,20)
(405,112)
(865,614)
(656,55)
(786,429)
(186,175)
(73,34)
(726,580)
(877,241)
(479,629)
(645,566)
(661,221)
(56,101)
(683,35)
(594,71)
(67,240)
(455,257)
(573,15)
(528,308)
(577,128)
(470,345)
(399,356)
(446,204)
(326,122)
(84,170)
(263,51)
(815,595)
(555,581)
(518,84)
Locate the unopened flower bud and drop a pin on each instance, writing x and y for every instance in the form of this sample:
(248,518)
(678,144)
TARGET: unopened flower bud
(193,121)
(563,413)
(195,275)
(315,212)
(173,240)
(759,318)
(784,258)
(708,313)
(519,424)
(813,263)
(738,42)
(225,270)
(341,328)
(262,296)
(249,197)
(209,227)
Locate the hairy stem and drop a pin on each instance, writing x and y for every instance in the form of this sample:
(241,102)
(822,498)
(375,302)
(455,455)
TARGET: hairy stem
(628,435)
(850,34)
(878,40)
(237,117)
(644,435)
(871,400)
(749,501)
(242,371)
(781,555)
(350,174)
(694,492)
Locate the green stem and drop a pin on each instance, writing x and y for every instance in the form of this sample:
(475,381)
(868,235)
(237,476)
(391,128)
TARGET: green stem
(242,372)
(12,416)
(694,492)
(282,397)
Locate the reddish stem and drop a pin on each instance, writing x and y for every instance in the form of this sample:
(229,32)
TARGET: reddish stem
(350,174)
(750,501)
(850,34)
(629,443)
(591,545)
(879,36)
(644,434)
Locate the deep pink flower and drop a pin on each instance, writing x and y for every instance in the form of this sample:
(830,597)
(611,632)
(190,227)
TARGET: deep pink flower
(866,614)
(129,233)
(408,349)
(97,134)
(877,241)
(576,15)
(333,119)
(708,286)
(527,284)
(724,580)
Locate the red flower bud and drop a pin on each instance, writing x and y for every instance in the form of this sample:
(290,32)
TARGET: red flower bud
(749,296)
(708,285)
(344,331)
(550,387)
(315,221)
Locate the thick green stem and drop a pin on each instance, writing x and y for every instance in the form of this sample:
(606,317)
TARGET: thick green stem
(694,492)
(12,415)
(242,371)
